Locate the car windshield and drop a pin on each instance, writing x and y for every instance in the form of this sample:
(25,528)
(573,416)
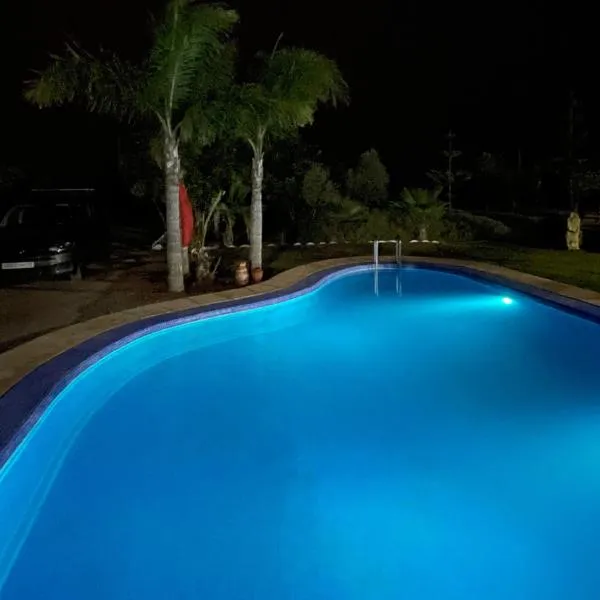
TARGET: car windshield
(38,217)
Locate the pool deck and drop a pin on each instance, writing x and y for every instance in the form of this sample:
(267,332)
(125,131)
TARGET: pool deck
(19,362)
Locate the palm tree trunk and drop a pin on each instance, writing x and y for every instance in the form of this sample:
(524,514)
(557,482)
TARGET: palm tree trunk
(172,179)
(256,211)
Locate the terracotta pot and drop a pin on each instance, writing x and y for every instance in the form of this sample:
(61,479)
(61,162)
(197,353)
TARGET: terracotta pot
(257,275)
(241,274)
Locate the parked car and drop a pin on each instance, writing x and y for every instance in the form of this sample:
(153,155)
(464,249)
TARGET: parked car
(58,235)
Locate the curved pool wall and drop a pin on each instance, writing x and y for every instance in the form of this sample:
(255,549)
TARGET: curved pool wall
(24,402)
(61,383)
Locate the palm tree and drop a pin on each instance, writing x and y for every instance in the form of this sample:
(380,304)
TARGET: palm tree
(423,209)
(450,176)
(175,87)
(291,85)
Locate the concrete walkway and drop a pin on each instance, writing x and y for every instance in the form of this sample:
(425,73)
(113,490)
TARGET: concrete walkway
(29,310)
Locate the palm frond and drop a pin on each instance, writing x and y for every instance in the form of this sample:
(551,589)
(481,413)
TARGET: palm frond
(291,85)
(297,73)
(250,110)
(299,80)
(210,117)
(422,204)
(238,191)
(187,47)
(351,209)
(101,83)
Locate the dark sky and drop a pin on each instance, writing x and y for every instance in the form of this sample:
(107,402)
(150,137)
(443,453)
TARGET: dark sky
(498,74)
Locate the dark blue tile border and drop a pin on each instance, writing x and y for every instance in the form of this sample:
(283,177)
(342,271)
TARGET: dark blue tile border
(22,405)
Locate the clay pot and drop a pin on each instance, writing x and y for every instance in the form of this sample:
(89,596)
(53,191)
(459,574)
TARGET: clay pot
(257,275)
(241,274)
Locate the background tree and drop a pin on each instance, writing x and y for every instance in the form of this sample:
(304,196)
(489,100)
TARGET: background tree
(291,84)
(10,177)
(571,165)
(175,87)
(507,183)
(329,213)
(449,177)
(218,173)
(318,189)
(289,160)
(369,181)
(140,173)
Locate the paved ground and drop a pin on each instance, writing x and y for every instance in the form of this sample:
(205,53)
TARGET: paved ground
(30,309)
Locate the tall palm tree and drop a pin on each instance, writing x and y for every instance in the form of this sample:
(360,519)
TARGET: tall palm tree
(292,83)
(175,87)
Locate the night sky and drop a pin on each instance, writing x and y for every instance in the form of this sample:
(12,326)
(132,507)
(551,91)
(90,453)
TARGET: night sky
(497,74)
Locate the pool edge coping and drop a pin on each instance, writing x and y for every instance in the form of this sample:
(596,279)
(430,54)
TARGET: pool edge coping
(40,368)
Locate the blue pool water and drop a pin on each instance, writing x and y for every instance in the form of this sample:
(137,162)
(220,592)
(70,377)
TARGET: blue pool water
(439,440)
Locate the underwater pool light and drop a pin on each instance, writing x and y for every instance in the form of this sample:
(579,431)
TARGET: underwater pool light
(507,300)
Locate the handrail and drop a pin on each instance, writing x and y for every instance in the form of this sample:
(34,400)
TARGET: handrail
(397,243)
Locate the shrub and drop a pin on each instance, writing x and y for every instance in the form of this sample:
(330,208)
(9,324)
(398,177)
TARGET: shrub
(360,228)
(462,226)
(336,221)
(378,224)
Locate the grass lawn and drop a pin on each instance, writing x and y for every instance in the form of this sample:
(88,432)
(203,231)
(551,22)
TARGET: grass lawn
(577,268)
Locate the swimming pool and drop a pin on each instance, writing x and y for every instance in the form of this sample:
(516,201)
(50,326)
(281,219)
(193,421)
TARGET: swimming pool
(437,439)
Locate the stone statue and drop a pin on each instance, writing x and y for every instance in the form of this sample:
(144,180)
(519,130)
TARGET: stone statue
(574,234)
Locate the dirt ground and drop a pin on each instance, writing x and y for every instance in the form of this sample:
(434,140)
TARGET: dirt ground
(32,308)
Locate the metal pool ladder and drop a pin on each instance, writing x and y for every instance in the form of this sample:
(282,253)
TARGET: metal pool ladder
(398,244)
(377,243)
